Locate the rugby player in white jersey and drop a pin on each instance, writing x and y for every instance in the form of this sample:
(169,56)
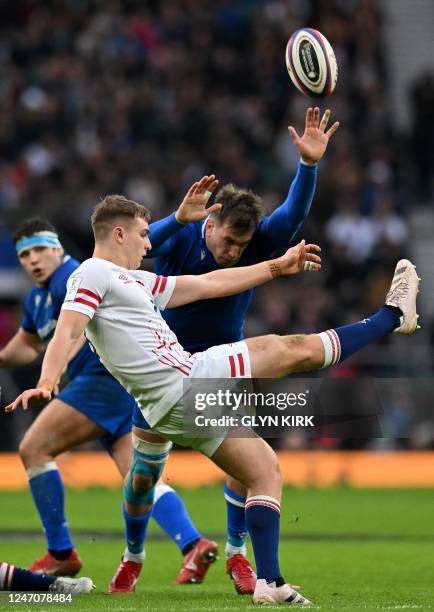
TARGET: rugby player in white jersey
(119,309)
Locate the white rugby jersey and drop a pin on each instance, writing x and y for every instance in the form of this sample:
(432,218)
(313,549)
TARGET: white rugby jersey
(128,332)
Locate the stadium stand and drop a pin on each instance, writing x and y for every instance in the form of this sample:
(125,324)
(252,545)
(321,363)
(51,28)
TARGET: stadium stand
(137,98)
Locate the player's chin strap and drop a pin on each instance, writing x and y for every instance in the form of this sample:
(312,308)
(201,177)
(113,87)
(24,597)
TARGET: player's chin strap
(148,461)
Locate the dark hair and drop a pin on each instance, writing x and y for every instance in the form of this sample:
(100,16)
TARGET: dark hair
(32,226)
(241,208)
(114,209)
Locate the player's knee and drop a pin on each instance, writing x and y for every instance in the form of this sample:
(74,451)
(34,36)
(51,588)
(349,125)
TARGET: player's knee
(270,471)
(299,351)
(142,483)
(146,469)
(32,453)
(266,474)
(139,483)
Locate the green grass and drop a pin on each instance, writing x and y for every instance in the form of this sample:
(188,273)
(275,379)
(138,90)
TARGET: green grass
(348,549)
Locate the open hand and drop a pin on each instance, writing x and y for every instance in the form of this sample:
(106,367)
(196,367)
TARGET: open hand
(193,206)
(32,398)
(299,258)
(313,144)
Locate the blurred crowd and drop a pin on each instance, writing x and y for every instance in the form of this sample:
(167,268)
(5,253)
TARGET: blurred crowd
(142,98)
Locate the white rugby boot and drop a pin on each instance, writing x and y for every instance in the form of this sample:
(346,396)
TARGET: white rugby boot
(73,586)
(268,594)
(402,294)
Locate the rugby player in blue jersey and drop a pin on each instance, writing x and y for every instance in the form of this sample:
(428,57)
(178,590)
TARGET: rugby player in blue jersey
(92,406)
(236,234)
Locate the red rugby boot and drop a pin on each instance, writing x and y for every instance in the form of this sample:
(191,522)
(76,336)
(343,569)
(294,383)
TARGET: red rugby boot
(57,567)
(241,572)
(127,574)
(197,561)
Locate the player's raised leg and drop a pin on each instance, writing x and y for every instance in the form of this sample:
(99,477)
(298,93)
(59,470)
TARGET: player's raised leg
(14,578)
(150,452)
(58,428)
(252,461)
(276,356)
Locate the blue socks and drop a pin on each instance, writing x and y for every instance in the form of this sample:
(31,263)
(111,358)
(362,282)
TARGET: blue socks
(19,579)
(342,342)
(170,513)
(25,580)
(135,531)
(236,521)
(47,490)
(263,523)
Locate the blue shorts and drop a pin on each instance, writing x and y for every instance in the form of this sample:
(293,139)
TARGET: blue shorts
(104,401)
(138,419)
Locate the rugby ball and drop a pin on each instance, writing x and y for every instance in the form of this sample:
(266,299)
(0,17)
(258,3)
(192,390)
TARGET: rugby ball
(311,63)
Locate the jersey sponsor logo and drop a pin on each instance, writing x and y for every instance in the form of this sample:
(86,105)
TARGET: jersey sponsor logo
(73,286)
(37,300)
(125,279)
(48,301)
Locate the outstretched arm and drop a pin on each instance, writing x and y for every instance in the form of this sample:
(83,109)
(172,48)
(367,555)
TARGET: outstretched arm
(22,349)
(221,283)
(68,330)
(280,227)
(164,234)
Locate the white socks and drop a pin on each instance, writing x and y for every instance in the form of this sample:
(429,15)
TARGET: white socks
(231,551)
(136,558)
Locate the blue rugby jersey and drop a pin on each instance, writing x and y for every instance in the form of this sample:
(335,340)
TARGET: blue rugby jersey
(182,249)
(41,310)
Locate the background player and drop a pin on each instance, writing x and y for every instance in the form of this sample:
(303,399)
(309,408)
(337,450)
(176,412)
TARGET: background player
(123,322)
(93,406)
(236,234)
(13,578)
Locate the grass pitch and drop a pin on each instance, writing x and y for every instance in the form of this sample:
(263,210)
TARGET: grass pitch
(348,549)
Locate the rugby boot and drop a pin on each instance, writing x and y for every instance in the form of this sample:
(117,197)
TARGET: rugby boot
(125,578)
(197,561)
(241,572)
(73,586)
(268,594)
(57,567)
(402,294)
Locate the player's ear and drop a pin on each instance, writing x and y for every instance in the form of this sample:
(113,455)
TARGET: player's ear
(210,225)
(118,234)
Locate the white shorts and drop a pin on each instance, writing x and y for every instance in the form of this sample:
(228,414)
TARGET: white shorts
(222,361)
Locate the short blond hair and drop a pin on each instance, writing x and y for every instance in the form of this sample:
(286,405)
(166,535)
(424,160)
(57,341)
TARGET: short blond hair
(114,210)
